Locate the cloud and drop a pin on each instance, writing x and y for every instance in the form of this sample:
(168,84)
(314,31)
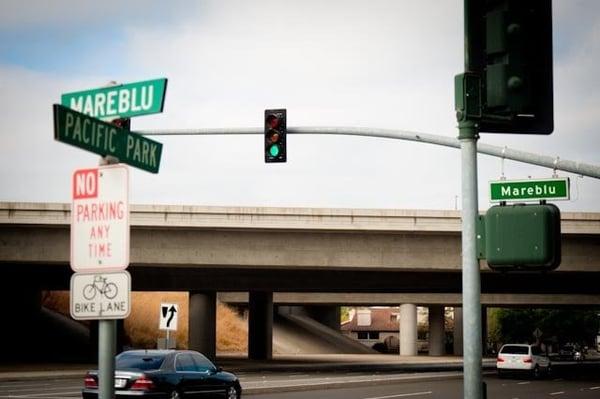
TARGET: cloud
(385,64)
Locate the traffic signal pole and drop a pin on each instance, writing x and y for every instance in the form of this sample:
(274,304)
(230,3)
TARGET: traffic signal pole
(468,128)
(552,162)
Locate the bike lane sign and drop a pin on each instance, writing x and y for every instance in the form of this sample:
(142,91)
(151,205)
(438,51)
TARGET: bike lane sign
(100,296)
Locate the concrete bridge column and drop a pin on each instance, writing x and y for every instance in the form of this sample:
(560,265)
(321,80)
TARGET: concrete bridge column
(260,325)
(436,330)
(203,322)
(458,331)
(408,329)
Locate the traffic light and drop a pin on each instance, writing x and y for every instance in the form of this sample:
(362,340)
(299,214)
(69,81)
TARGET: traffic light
(522,237)
(275,140)
(512,53)
(123,123)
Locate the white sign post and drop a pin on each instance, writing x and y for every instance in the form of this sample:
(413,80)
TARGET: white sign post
(100,288)
(100,219)
(168,316)
(167,320)
(100,243)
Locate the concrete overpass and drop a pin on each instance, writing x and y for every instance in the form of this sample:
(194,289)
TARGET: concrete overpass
(298,256)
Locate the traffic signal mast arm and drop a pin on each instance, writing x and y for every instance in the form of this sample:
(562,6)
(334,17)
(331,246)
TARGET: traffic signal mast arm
(580,168)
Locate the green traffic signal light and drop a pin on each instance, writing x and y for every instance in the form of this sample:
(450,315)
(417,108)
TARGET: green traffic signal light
(512,55)
(275,141)
(274,150)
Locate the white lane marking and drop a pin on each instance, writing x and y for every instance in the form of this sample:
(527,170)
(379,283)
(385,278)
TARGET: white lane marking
(557,393)
(402,395)
(10,385)
(594,388)
(36,388)
(45,395)
(77,395)
(320,381)
(523,382)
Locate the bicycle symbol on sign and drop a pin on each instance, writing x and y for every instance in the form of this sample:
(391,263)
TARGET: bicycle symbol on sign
(100,285)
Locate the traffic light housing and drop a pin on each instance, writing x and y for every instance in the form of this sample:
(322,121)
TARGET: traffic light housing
(123,123)
(275,135)
(512,53)
(522,237)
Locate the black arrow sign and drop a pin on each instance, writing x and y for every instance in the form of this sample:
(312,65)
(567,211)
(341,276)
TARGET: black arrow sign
(172,310)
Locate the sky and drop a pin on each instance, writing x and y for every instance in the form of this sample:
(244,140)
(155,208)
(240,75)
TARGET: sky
(376,64)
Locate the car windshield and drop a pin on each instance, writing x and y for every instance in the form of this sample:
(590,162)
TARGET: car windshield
(140,361)
(515,350)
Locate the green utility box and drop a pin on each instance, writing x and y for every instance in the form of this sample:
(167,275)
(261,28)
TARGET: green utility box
(523,237)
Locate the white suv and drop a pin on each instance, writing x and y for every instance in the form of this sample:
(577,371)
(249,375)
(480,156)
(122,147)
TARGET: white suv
(522,358)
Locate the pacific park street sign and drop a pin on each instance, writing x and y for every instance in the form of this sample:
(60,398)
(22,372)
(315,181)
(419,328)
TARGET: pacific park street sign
(100,219)
(103,138)
(529,190)
(122,101)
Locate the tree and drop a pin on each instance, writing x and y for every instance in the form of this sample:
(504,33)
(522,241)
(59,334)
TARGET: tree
(567,325)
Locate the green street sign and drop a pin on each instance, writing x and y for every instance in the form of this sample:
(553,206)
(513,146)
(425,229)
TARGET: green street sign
(103,138)
(529,190)
(122,101)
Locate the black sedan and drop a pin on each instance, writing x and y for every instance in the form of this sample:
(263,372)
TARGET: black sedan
(171,374)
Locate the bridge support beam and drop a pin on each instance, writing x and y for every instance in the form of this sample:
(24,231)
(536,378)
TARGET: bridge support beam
(203,322)
(260,325)
(458,331)
(436,330)
(408,329)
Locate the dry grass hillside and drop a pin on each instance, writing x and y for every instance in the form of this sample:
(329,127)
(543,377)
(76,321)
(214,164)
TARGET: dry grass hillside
(141,327)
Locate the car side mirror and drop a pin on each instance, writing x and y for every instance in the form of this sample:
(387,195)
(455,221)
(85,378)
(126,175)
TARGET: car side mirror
(218,369)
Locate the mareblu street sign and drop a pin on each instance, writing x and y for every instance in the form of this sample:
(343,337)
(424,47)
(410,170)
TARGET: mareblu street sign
(529,190)
(100,296)
(122,101)
(100,219)
(103,138)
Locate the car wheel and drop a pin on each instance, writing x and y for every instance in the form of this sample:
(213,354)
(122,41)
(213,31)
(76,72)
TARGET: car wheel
(232,393)
(549,370)
(536,371)
(175,395)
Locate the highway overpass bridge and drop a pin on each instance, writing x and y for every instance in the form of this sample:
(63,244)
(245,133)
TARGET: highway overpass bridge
(294,256)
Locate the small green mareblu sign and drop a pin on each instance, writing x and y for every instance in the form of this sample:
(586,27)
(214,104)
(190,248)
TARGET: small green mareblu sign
(529,190)
(103,138)
(122,101)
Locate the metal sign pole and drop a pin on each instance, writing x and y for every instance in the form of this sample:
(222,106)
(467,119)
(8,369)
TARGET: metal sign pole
(107,342)
(107,333)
